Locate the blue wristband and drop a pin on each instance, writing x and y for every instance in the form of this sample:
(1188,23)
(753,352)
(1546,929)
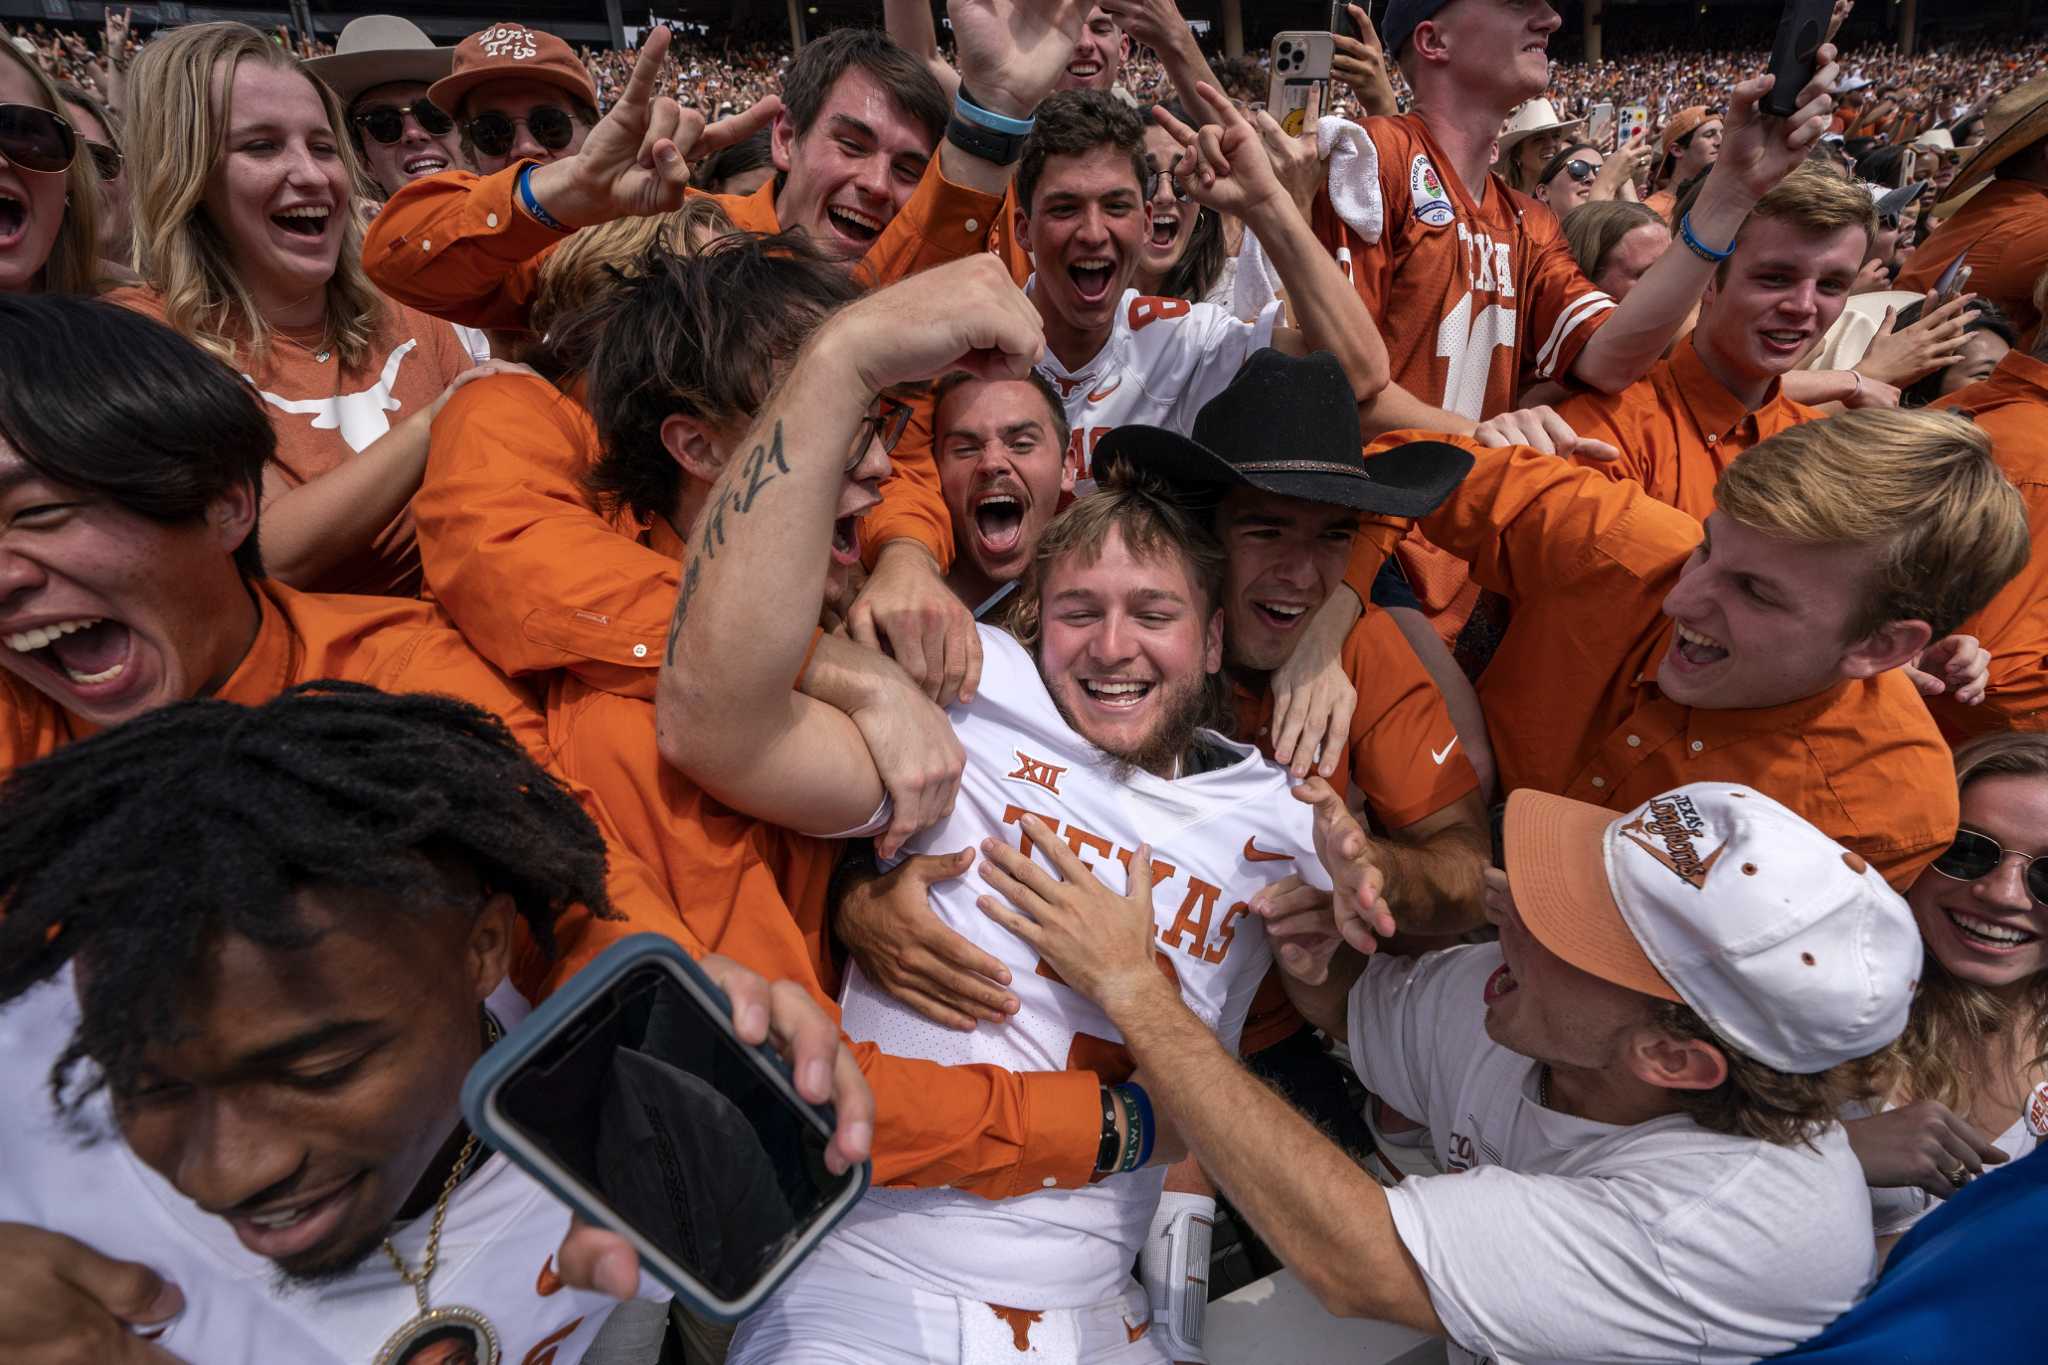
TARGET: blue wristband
(531,204)
(973,113)
(1699,248)
(1147,1126)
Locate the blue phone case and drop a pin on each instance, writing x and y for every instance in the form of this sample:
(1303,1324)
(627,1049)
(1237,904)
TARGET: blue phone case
(538,1029)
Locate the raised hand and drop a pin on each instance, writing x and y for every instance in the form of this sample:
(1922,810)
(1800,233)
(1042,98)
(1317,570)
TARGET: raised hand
(1759,149)
(1361,911)
(967,315)
(1011,52)
(1225,165)
(1900,356)
(1361,63)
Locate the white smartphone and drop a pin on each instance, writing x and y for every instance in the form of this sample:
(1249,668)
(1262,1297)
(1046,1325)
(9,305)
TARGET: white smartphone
(1600,126)
(1299,62)
(1634,119)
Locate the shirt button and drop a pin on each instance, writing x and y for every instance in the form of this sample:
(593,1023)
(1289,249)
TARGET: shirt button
(1697,746)
(426,244)
(1599,783)
(972,225)
(1635,741)
(639,651)
(1713,440)
(491,220)
(1050,1182)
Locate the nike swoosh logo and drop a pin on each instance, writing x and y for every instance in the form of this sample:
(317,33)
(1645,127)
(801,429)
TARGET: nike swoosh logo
(549,1282)
(1100,394)
(1137,1333)
(1439,755)
(1254,854)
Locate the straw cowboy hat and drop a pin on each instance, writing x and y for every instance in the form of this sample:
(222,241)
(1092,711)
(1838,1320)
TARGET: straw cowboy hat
(379,49)
(2017,121)
(1535,116)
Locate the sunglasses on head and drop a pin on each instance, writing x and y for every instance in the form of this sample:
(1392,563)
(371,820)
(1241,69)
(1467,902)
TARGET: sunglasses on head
(386,122)
(36,139)
(1973,857)
(551,125)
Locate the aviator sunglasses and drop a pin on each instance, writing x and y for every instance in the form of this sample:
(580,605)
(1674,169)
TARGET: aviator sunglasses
(386,122)
(492,133)
(1973,857)
(36,139)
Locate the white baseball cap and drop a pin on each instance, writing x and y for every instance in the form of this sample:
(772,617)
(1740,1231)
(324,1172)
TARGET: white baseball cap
(1791,948)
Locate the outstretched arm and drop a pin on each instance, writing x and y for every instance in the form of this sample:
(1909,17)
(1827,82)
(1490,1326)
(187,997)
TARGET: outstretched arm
(754,577)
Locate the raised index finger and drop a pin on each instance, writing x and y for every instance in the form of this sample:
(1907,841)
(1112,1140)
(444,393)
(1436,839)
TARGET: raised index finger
(645,77)
(1182,134)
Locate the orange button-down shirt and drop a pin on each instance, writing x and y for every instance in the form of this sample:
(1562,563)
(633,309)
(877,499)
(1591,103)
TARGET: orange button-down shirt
(758,894)
(1677,428)
(398,646)
(2002,234)
(2012,408)
(1403,757)
(1571,697)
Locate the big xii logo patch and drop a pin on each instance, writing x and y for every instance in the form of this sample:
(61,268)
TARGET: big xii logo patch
(1671,830)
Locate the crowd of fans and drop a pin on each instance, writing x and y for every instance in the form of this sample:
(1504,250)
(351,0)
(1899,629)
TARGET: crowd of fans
(1188,673)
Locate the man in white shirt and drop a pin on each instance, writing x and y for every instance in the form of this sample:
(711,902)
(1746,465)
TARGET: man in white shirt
(1636,1086)
(249,952)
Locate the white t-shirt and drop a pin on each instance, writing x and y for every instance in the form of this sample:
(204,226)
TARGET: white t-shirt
(1164,359)
(1072,1248)
(1557,1239)
(496,1254)
(1894,1210)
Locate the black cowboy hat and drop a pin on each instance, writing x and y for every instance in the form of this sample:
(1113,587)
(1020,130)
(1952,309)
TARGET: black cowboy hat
(1290,426)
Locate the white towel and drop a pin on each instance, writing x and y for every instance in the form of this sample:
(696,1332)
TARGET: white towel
(1351,166)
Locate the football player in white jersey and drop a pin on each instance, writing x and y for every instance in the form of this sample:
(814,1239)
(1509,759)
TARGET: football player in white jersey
(1084,210)
(1088,734)
(285,922)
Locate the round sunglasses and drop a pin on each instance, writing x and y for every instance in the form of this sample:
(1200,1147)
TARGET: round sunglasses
(1973,857)
(36,139)
(386,122)
(551,125)
(1581,171)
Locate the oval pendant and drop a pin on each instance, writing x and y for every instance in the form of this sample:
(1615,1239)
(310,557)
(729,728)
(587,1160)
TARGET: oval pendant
(443,1336)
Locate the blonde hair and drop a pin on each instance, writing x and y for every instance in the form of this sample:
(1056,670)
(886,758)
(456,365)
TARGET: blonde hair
(592,262)
(72,267)
(1951,1018)
(173,150)
(1919,487)
(1817,201)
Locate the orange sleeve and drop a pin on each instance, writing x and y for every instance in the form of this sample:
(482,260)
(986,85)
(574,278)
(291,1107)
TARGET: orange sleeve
(1616,419)
(459,246)
(1377,538)
(941,222)
(981,1129)
(516,554)
(30,726)
(913,507)
(1404,753)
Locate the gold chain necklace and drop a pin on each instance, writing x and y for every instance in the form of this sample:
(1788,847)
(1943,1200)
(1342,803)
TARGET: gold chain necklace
(451,1324)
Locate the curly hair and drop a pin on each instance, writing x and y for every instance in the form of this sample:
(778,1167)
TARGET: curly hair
(1952,1019)
(144,847)
(1756,1101)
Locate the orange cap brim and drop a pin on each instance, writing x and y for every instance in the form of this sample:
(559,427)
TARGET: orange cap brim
(1557,871)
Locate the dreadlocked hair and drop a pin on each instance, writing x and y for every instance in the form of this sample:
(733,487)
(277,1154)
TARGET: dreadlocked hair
(147,845)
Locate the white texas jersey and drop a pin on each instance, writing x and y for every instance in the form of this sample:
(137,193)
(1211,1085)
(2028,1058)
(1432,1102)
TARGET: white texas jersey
(1216,838)
(496,1256)
(1164,359)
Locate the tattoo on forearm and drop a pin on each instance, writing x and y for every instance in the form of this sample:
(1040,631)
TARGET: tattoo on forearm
(761,467)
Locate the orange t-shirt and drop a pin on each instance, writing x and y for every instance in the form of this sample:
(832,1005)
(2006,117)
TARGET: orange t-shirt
(323,416)
(539,577)
(1571,698)
(1404,761)
(398,646)
(1677,428)
(2002,234)
(2012,408)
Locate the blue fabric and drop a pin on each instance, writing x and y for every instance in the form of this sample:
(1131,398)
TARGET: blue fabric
(1962,1285)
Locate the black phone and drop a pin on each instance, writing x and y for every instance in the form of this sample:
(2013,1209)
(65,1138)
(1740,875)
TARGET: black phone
(1795,56)
(1340,20)
(629,1094)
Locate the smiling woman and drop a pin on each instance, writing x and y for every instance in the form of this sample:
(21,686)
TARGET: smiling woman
(48,195)
(247,245)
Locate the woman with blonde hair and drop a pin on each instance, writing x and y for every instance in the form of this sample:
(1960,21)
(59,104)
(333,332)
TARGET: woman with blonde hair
(247,244)
(49,227)
(1965,1088)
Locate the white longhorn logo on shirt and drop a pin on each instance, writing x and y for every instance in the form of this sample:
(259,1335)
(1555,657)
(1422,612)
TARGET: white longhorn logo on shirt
(358,416)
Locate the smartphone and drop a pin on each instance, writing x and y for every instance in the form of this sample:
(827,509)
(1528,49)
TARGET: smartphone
(630,1096)
(1795,56)
(1953,281)
(1634,119)
(1600,126)
(1300,62)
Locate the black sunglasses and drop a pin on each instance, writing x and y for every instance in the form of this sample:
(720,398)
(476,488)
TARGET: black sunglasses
(1180,191)
(386,122)
(36,139)
(886,421)
(551,125)
(1973,857)
(106,160)
(1581,171)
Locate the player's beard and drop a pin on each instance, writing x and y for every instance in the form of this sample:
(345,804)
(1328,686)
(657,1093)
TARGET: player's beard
(1183,708)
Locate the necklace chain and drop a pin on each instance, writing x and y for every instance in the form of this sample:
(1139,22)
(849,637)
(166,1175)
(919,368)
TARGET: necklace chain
(1543,1085)
(418,1280)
